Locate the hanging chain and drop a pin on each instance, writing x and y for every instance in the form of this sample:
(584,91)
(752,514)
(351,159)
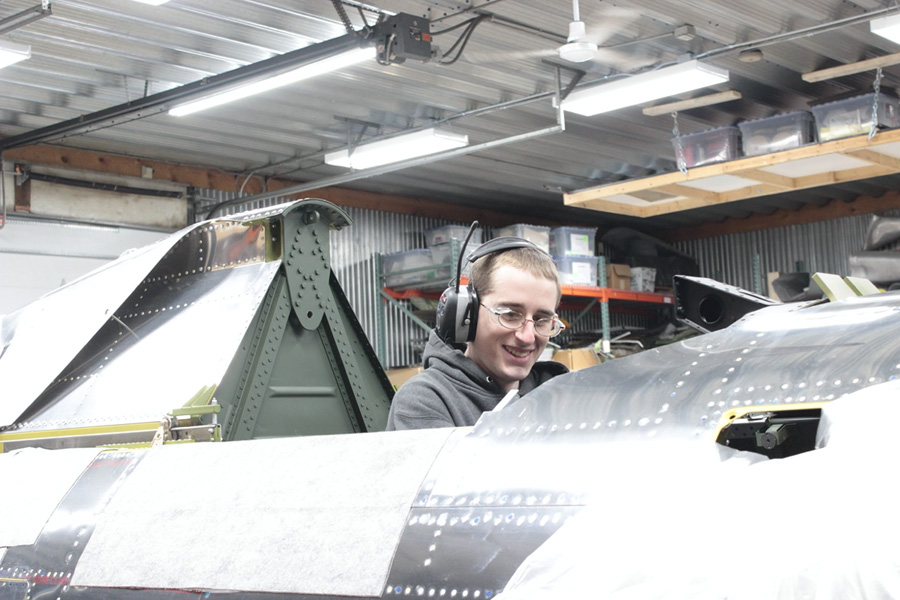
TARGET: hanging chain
(679,148)
(877,85)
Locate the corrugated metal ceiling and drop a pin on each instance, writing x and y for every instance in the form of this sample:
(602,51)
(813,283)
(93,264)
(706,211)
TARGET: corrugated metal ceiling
(90,55)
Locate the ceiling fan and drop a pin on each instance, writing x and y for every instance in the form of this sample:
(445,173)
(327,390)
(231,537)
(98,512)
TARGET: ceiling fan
(582,44)
(578,48)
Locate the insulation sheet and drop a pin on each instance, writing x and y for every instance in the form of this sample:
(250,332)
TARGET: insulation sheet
(309,515)
(34,483)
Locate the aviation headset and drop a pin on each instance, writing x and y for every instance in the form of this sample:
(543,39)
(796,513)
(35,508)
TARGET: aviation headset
(457,311)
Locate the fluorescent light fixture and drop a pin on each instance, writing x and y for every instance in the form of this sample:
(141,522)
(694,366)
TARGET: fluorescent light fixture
(11,53)
(887,27)
(153,2)
(326,65)
(652,85)
(396,149)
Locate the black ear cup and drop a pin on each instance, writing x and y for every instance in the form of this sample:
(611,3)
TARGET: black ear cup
(474,304)
(456,318)
(457,313)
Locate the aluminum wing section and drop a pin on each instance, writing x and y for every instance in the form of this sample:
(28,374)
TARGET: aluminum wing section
(779,356)
(56,326)
(175,333)
(818,525)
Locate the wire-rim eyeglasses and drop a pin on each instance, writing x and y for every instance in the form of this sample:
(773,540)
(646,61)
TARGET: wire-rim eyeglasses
(511,319)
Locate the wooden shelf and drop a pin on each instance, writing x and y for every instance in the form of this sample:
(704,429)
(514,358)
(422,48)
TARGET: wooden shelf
(836,161)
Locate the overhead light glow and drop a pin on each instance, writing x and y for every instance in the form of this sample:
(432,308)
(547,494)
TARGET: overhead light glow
(652,85)
(11,53)
(153,2)
(326,65)
(887,27)
(396,149)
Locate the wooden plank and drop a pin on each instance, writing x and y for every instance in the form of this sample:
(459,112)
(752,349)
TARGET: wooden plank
(782,181)
(689,192)
(876,158)
(753,191)
(619,208)
(855,174)
(708,100)
(857,67)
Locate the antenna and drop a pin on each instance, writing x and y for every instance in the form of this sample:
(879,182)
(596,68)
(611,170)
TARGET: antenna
(462,253)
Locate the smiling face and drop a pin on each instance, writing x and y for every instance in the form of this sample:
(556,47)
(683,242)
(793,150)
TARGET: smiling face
(507,355)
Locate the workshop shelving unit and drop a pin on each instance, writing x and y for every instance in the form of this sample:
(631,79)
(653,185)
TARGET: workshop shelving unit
(594,295)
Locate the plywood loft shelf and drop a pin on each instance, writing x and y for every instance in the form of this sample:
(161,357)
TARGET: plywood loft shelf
(815,165)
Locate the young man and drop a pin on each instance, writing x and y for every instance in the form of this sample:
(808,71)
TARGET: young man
(518,293)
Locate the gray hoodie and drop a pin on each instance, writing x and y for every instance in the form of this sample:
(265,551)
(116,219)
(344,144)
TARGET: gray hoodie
(453,391)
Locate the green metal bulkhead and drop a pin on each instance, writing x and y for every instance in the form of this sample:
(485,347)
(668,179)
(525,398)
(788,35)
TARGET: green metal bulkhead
(305,365)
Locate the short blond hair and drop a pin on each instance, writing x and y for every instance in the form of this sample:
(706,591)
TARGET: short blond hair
(530,260)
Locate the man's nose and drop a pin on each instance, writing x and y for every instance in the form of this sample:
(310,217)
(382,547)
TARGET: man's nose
(526,332)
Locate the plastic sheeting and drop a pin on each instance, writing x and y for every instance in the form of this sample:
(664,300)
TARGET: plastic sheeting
(689,525)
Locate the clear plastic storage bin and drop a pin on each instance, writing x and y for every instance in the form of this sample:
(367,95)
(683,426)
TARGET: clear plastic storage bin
(445,233)
(572,241)
(853,116)
(778,132)
(420,266)
(709,146)
(536,234)
(577,270)
(441,254)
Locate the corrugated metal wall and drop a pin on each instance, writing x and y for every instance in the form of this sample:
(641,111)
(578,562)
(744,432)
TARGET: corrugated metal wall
(741,260)
(817,247)
(353,253)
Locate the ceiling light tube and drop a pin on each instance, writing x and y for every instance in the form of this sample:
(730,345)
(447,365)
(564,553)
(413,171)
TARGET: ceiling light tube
(396,149)
(326,65)
(887,27)
(11,53)
(153,2)
(652,85)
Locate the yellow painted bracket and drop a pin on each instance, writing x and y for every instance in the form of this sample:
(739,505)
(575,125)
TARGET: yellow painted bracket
(836,288)
(861,286)
(199,404)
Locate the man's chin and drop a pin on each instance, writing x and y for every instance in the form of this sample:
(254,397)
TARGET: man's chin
(516,373)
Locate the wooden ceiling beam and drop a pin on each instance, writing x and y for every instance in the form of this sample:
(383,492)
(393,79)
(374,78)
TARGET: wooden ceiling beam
(217,179)
(809,213)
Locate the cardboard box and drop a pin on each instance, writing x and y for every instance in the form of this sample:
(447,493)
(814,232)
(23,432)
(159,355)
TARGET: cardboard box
(771,276)
(398,377)
(577,359)
(618,277)
(643,279)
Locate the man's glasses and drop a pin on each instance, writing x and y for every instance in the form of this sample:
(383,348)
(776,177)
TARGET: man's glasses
(510,319)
